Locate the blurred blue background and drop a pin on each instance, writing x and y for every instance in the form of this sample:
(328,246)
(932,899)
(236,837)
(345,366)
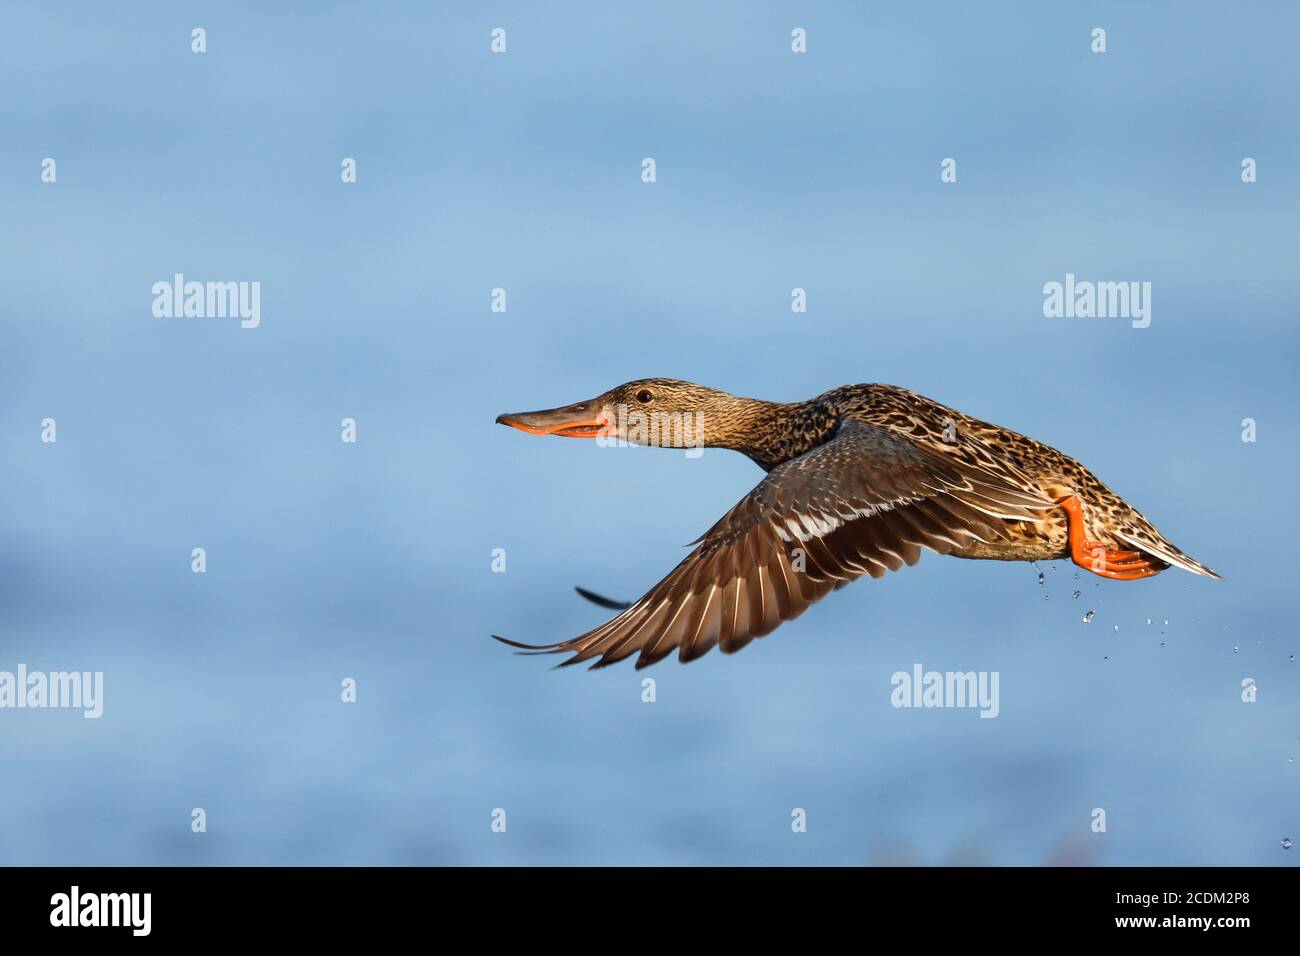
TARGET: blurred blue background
(522,171)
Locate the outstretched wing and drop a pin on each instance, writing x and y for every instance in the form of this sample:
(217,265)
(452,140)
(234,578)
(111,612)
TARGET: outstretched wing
(865,502)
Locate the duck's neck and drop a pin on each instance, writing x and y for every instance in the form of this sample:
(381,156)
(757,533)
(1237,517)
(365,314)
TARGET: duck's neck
(771,433)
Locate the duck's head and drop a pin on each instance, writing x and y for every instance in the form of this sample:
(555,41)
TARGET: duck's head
(649,411)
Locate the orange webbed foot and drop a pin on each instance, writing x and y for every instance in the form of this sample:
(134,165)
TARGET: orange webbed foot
(1097,558)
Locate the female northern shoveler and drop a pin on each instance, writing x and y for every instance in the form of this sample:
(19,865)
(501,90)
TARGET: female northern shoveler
(859,480)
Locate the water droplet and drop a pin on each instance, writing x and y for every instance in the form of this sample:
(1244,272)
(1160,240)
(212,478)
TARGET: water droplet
(1148,622)
(1165,622)
(1087,618)
(1106,658)
(1076,593)
(1286,843)
(1234,648)
(1162,643)
(1115,628)
(1292,658)
(1041,579)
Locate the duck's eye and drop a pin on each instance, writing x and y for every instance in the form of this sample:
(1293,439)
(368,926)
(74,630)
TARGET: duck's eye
(644,396)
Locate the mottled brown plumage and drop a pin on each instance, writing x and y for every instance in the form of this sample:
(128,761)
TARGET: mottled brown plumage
(860,480)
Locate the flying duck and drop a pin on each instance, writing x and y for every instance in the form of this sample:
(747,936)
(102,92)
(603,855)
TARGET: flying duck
(859,481)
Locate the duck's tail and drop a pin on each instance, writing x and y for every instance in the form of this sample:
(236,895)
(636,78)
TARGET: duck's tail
(1154,543)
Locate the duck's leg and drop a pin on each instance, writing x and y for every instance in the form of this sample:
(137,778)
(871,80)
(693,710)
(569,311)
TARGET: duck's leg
(1117,565)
